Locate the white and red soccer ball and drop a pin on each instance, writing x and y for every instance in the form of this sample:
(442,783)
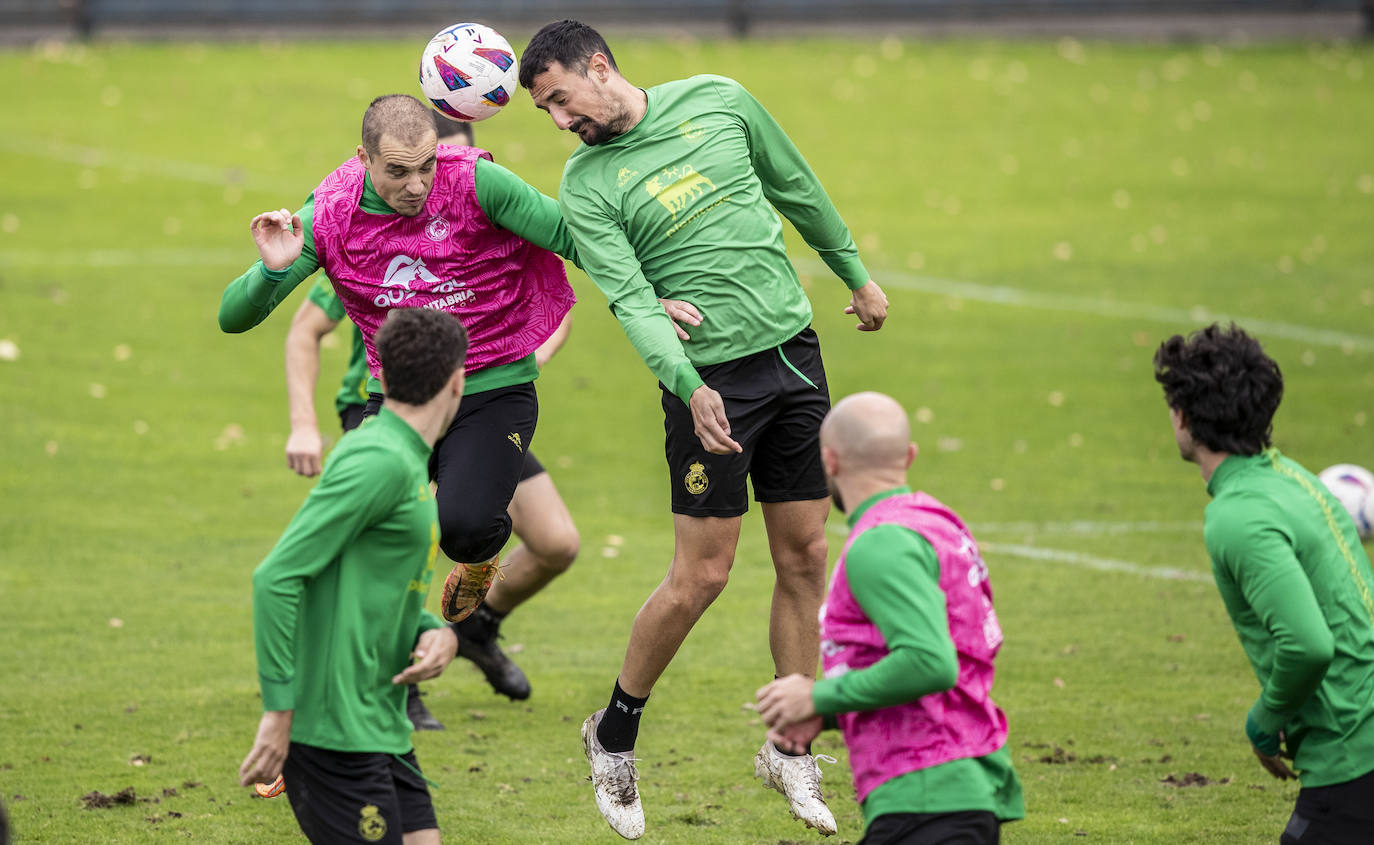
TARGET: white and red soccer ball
(469,72)
(1354,487)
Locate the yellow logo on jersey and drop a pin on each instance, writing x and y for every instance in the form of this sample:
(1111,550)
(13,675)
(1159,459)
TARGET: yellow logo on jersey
(625,177)
(691,133)
(371,826)
(696,479)
(684,186)
(514,437)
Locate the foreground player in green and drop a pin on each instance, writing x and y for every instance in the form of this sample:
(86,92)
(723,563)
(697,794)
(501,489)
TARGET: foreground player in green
(909,637)
(338,605)
(1294,578)
(672,197)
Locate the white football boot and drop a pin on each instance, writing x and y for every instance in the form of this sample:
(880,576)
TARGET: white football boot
(798,778)
(614,776)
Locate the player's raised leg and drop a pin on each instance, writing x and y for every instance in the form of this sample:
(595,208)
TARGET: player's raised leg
(703,554)
(549,545)
(796,540)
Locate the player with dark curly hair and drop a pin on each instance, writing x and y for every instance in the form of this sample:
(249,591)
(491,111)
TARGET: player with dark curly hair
(1294,578)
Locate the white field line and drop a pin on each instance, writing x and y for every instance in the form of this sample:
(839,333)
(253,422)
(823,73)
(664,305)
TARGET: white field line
(183,257)
(1085,561)
(1086,528)
(1101,564)
(1024,298)
(185,171)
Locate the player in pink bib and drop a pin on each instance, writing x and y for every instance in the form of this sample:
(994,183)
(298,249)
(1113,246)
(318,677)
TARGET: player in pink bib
(409,224)
(908,638)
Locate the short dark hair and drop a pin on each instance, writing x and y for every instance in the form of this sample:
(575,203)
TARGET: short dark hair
(569,43)
(420,348)
(399,115)
(445,126)
(1224,385)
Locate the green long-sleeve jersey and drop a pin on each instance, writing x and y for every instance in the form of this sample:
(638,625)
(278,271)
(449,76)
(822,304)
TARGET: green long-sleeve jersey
(1298,587)
(507,200)
(894,575)
(679,207)
(339,601)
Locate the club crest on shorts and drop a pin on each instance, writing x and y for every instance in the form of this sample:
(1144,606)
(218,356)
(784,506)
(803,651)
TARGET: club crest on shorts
(371,826)
(696,479)
(437,229)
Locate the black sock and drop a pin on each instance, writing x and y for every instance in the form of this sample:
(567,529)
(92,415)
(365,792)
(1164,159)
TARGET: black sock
(619,726)
(783,751)
(482,624)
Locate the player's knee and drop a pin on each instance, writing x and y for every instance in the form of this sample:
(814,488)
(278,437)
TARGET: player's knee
(467,539)
(558,553)
(703,583)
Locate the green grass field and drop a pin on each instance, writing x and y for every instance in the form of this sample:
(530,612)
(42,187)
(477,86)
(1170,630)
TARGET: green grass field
(1041,214)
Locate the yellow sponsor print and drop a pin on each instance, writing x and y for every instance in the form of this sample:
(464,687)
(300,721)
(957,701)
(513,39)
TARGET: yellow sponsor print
(676,188)
(625,177)
(422,585)
(696,480)
(371,825)
(514,437)
(691,133)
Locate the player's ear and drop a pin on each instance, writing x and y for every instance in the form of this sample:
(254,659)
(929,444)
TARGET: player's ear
(829,460)
(362,156)
(911,451)
(599,66)
(458,381)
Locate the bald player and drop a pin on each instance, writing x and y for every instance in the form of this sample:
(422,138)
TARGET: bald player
(908,637)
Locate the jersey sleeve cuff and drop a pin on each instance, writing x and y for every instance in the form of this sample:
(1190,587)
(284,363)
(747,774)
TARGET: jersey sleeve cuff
(687,380)
(276,695)
(428,622)
(1262,727)
(826,698)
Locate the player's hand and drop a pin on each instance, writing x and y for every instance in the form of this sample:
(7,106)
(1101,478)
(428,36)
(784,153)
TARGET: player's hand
(797,736)
(433,652)
(279,236)
(681,312)
(786,701)
(264,761)
(710,423)
(1274,765)
(303,449)
(869,304)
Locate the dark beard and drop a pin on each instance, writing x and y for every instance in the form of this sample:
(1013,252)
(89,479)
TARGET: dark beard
(601,132)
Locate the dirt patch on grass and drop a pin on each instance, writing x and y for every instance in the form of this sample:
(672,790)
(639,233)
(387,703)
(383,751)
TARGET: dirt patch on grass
(1193,779)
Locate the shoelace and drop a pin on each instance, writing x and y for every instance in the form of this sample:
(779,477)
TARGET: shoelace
(812,764)
(625,789)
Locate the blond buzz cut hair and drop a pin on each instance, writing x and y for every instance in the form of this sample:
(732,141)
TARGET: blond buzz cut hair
(400,116)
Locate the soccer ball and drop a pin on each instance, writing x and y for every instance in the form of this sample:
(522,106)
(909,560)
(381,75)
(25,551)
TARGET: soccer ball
(1354,487)
(468,71)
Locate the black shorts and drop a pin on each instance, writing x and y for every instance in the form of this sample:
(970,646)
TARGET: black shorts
(1339,814)
(971,828)
(340,796)
(351,416)
(531,468)
(476,466)
(775,401)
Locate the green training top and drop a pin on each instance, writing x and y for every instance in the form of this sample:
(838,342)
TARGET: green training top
(353,388)
(505,198)
(894,574)
(339,601)
(1297,585)
(678,208)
